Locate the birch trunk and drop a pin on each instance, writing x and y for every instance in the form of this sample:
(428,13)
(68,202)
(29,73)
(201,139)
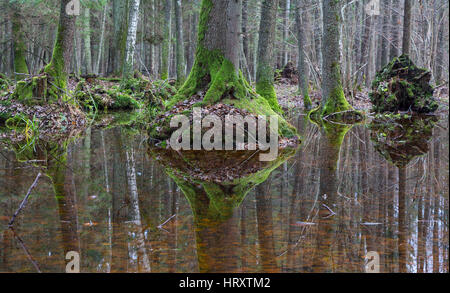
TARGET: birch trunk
(131,39)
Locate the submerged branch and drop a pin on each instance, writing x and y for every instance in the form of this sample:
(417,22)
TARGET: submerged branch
(24,201)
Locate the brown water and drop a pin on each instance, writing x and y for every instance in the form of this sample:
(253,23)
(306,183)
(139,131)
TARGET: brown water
(322,210)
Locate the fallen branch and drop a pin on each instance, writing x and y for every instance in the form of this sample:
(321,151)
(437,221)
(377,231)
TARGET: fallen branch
(24,201)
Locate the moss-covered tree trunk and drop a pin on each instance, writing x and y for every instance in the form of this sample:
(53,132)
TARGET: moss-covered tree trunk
(215,77)
(265,72)
(59,66)
(333,98)
(20,64)
(216,64)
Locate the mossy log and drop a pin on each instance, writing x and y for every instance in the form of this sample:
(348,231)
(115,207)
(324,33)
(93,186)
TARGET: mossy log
(402,86)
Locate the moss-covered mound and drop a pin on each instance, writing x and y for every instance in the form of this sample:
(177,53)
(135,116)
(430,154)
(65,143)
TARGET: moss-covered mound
(400,138)
(402,86)
(103,95)
(116,94)
(160,130)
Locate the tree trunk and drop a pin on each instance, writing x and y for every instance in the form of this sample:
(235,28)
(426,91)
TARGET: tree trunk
(166,42)
(303,69)
(215,76)
(318,34)
(265,72)
(59,65)
(245,27)
(287,10)
(87,40)
(131,39)
(217,50)
(333,98)
(407,27)
(120,15)
(20,64)
(102,41)
(440,58)
(395,33)
(181,68)
(385,35)
(365,43)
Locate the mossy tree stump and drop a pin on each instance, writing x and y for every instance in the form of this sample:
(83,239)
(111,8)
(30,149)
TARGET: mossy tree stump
(51,85)
(402,86)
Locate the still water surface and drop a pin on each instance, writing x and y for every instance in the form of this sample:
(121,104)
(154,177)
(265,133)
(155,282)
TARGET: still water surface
(321,209)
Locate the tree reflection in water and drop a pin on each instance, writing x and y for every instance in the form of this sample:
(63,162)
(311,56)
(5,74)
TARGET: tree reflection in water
(385,185)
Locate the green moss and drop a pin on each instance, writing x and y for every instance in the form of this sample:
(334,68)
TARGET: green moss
(124,101)
(56,70)
(336,103)
(24,92)
(307,101)
(402,86)
(267,91)
(335,132)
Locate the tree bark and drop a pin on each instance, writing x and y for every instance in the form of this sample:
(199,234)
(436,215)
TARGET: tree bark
(131,39)
(287,9)
(265,72)
(20,63)
(333,98)
(87,40)
(385,35)
(395,33)
(166,41)
(407,27)
(102,41)
(181,68)
(59,65)
(303,69)
(120,15)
